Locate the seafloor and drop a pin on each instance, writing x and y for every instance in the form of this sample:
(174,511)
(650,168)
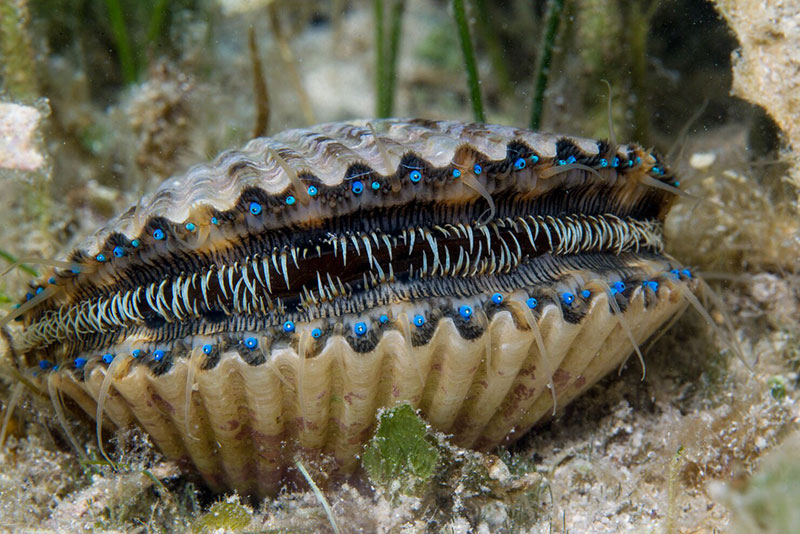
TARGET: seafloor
(128,93)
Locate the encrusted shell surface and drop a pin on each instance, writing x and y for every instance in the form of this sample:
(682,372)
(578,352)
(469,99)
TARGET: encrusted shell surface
(239,386)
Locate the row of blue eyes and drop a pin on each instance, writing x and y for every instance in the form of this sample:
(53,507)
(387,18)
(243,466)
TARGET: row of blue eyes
(358,187)
(361,328)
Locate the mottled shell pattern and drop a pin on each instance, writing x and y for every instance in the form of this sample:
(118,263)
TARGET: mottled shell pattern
(269,303)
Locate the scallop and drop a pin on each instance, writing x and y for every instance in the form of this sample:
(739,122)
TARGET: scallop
(266,305)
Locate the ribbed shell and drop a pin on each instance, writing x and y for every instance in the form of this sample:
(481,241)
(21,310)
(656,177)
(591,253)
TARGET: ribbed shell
(247,423)
(326,151)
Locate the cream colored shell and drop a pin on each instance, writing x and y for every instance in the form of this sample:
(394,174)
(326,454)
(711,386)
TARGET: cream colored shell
(248,423)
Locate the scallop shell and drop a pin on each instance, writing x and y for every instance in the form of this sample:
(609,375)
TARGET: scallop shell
(563,278)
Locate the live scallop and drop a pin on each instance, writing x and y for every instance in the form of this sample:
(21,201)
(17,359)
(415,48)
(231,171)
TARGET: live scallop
(269,303)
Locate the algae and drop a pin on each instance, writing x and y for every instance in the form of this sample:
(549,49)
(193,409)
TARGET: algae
(227,516)
(18,66)
(401,451)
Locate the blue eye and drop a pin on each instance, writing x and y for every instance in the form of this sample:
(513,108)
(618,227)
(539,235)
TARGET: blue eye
(532,303)
(190,227)
(159,355)
(289,201)
(288,327)
(80,363)
(615,162)
(534,158)
(415,176)
(376,186)
(419,320)
(571,159)
(651,284)
(108,358)
(135,243)
(603,162)
(360,329)
(158,234)
(45,365)
(567,298)
(119,252)
(619,286)
(383,319)
(251,343)
(519,164)
(456,173)
(477,169)
(255,207)
(687,273)
(101,258)
(465,311)
(586,293)
(312,191)
(51,280)
(208,349)
(136,353)
(497,298)
(357,187)
(316,333)
(214,221)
